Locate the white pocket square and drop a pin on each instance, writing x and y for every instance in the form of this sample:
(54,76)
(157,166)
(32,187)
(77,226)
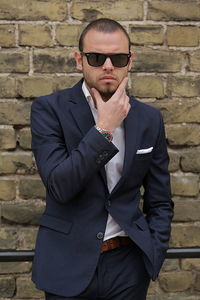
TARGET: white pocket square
(144,151)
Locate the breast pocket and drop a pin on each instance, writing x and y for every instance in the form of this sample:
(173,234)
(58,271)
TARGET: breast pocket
(140,166)
(143,156)
(55,224)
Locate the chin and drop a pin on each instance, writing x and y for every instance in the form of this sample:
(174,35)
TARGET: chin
(108,89)
(106,95)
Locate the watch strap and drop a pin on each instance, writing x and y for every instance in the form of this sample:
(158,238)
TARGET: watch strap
(105,133)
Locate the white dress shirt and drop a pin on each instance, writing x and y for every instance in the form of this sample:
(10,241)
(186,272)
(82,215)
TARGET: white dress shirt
(113,167)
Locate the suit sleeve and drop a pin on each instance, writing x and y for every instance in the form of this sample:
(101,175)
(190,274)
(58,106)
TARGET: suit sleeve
(157,199)
(65,173)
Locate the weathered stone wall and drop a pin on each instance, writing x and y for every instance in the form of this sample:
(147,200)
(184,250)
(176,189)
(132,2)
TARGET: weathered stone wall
(37,39)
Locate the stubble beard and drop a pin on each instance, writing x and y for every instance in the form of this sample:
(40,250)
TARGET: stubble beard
(106,95)
(106,91)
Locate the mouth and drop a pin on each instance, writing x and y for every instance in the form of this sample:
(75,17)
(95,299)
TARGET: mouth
(107,78)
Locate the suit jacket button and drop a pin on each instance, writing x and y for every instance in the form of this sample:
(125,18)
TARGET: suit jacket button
(105,153)
(98,161)
(100,235)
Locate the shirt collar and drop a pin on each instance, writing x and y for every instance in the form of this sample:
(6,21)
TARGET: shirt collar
(87,94)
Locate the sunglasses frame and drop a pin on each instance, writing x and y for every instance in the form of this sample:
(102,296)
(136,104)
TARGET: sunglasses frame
(86,54)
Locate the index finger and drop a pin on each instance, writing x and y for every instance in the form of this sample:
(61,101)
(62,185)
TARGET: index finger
(122,86)
(124,82)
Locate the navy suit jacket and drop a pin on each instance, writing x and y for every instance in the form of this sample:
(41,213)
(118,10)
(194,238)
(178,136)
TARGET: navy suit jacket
(71,155)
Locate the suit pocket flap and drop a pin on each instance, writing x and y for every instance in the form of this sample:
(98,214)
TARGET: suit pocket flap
(55,223)
(141,223)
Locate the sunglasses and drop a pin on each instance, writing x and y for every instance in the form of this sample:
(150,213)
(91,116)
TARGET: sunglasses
(118,60)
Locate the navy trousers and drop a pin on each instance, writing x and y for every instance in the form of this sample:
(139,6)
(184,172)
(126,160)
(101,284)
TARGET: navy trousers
(120,275)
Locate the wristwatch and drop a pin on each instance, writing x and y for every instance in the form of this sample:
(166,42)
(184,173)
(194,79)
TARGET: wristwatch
(105,133)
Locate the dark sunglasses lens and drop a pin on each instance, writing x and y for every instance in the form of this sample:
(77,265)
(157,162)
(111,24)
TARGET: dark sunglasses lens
(95,59)
(98,59)
(120,60)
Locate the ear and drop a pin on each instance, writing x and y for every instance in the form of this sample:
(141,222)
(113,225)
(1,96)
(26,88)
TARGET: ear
(78,58)
(130,61)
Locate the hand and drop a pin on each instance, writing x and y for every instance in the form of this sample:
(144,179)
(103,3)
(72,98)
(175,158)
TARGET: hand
(111,114)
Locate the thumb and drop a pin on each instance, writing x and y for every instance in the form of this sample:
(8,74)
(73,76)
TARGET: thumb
(97,97)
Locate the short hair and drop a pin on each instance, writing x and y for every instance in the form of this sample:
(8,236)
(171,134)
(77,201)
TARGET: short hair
(102,25)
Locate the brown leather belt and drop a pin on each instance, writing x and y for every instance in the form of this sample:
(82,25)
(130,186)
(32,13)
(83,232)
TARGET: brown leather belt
(115,242)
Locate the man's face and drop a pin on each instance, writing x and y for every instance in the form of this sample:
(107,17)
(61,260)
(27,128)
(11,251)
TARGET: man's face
(105,78)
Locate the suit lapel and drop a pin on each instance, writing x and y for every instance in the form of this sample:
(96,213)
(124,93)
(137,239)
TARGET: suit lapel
(82,115)
(131,126)
(80,109)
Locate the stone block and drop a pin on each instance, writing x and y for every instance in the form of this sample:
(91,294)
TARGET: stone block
(31,188)
(121,10)
(174,162)
(190,161)
(176,281)
(173,10)
(183,135)
(170,265)
(26,238)
(194,61)
(186,210)
(7,287)
(7,87)
(7,189)
(34,86)
(26,289)
(17,163)
(63,82)
(68,34)
(35,35)
(24,138)
(147,86)
(54,60)
(183,36)
(187,111)
(184,86)
(191,264)
(21,213)
(53,10)
(160,61)
(187,295)
(15,267)
(14,61)
(185,185)
(15,113)
(153,288)
(8,238)
(151,297)
(7,138)
(197,282)
(185,235)
(7,34)
(146,34)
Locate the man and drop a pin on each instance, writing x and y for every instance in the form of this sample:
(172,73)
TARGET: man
(95,148)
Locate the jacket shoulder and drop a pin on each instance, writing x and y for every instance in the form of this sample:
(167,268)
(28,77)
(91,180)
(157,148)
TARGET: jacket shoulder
(146,110)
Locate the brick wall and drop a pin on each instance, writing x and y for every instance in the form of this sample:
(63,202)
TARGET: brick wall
(37,39)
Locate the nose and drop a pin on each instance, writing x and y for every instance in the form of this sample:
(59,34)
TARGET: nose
(108,64)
